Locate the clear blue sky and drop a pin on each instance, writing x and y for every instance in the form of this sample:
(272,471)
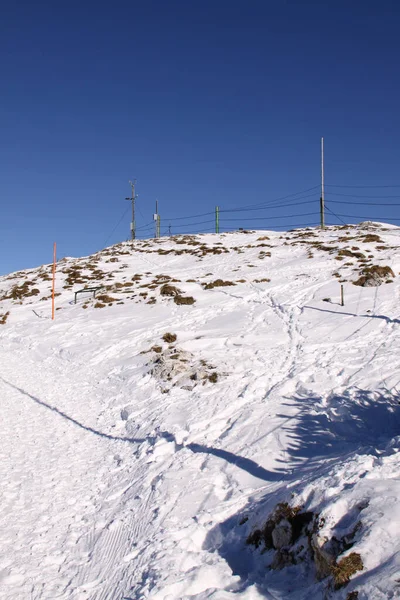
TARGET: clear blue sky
(204,103)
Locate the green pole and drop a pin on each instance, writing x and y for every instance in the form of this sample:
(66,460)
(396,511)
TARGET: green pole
(322,212)
(217,219)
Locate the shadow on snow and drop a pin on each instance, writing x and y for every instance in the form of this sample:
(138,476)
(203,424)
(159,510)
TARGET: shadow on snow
(243,463)
(322,433)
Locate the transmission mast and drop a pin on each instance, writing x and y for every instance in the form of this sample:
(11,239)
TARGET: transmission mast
(157,221)
(132,199)
(322,202)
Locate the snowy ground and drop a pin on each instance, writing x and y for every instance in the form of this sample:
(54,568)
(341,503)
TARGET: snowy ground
(120,483)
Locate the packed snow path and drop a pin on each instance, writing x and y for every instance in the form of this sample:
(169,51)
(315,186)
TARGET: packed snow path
(112,489)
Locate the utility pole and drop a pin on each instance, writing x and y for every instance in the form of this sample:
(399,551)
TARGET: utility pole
(217,219)
(322,201)
(132,199)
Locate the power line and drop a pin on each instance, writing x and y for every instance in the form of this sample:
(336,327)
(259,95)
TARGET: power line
(228,210)
(364,203)
(367,218)
(194,224)
(360,196)
(291,226)
(335,215)
(362,186)
(273,217)
(119,222)
(270,202)
(144,226)
(189,217)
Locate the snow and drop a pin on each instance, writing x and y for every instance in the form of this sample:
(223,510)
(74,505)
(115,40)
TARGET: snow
(127,478)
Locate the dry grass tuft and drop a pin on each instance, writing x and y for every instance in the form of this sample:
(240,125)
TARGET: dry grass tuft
(184,300)
(106,298)
(371,237)
(344,252)
(374,275)
(217,283)
(169,290)
(169,337)
(345,568)
(4,317)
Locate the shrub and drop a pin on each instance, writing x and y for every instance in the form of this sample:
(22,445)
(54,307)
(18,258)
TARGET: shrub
(213,378)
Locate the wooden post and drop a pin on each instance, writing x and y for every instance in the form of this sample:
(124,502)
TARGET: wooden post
(341,295)
(54,280)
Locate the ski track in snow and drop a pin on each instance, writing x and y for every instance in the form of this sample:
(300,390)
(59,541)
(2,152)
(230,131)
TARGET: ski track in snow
(99,507)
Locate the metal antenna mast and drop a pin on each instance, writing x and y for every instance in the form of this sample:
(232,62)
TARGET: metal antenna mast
(132,199)
(157,221)
(322,186)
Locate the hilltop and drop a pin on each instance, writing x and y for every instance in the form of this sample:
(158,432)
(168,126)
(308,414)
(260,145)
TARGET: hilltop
(213,424)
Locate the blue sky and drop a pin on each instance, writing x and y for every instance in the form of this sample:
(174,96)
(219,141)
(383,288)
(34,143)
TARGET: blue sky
(204,103)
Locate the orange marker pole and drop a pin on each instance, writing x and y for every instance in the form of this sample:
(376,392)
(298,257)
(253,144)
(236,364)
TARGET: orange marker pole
(54,280)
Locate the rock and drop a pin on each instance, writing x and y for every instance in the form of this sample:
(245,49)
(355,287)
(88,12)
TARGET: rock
(282,534)
(282,559)
(324,556)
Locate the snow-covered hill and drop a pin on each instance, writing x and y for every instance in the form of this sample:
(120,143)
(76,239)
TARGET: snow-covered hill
(254,455)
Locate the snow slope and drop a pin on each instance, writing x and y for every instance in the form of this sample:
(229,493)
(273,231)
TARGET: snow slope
(130,472)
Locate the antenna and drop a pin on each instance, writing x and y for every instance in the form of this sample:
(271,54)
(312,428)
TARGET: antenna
(322,203)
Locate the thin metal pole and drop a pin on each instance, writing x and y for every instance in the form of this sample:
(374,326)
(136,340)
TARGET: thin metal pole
(322,203)
(53,289)
(217,219)
(132,199)
(156,220)
(341,295)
